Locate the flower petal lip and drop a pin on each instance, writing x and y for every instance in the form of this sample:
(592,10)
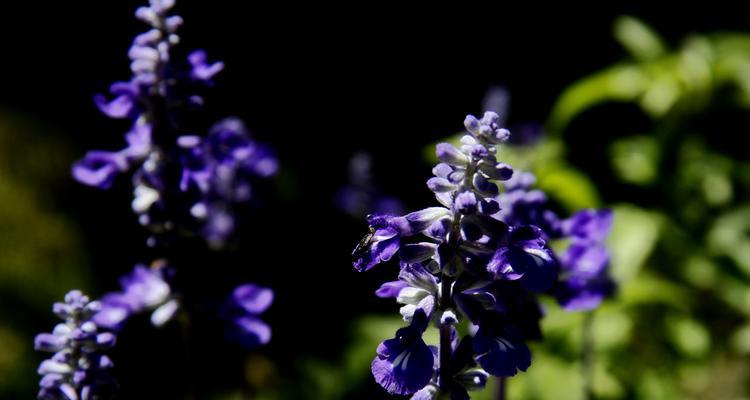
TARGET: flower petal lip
(253,298)
(404,364)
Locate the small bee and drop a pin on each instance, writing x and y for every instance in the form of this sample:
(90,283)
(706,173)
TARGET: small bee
(363,245)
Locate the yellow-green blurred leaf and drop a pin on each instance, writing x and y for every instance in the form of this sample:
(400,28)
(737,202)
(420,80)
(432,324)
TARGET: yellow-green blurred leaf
(689,336)
(647,289)
(570,187)
(633,238)
(636,159)
(639,39)
(617,83)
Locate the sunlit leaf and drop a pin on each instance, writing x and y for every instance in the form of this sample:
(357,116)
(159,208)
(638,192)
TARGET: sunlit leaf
(640,40)
(740,339)
(730,236)
(633,238)
(651,290)
(636,159)
(689,336)
(618,83)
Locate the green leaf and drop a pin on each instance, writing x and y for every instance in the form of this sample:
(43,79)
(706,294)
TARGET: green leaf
(740,340)
(730,236)
(635,159)
(623,83)
(690,337)
(642,42)
(633,238)
(570,187)
(647,289)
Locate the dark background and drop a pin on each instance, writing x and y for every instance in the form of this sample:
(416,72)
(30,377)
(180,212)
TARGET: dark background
(318,84)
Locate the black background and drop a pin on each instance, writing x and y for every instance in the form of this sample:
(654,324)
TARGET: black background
(318,83)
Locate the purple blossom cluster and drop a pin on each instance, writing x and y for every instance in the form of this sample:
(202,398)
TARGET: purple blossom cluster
(182,182)
(480,259)
(79,368)
(218,171)
(145,289)
(584,279)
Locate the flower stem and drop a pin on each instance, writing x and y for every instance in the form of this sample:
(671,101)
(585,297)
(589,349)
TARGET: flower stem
(587,356)
(500,391)
(445,334)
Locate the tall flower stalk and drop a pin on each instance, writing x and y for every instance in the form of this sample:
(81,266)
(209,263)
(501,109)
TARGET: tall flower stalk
(79,368)
(475,265)
(185,185)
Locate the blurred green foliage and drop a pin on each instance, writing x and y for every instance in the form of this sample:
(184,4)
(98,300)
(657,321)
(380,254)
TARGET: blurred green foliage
(679,326)
(40,249)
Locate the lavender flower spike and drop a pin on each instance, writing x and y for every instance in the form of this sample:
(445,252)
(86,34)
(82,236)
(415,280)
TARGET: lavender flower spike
(79,369)
(219,169)
(459,262)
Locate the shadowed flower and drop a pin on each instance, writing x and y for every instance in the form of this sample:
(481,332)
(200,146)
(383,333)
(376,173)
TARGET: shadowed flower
(217,169)
(244,306)
(458,268)
(79,369)
(585,281)
(525,258)
(405,363)
(500,348)
(144,289)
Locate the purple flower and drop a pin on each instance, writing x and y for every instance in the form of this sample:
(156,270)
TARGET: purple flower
(144,289)
(525,258)
(125,101)
(79,368)
(500,348)
(467,263)
(405,364)
(217,168)
(391,289)
(419,293)
(201,69)
(585,281)
(219,171)
(244,305)
(519,205)
(99,168)
(589,225)
(386,232)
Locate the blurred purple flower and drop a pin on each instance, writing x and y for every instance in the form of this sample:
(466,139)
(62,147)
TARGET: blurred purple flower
(79,369)
(245,304)
(217,168)
(361,195)
(144,289)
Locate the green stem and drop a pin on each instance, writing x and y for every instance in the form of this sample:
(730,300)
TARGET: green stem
(587,356)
